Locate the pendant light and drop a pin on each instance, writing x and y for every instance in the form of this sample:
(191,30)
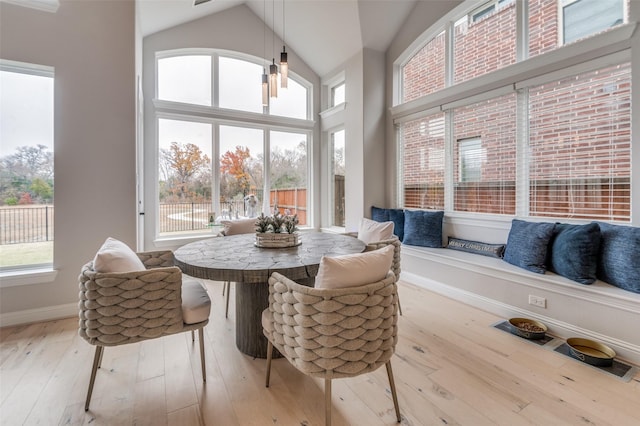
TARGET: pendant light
(273,68)
(284,65)
(273,79)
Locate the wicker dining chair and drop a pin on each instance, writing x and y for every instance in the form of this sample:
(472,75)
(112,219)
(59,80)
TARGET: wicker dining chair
(397,246)
(333,333)
(395,266)
(118,308)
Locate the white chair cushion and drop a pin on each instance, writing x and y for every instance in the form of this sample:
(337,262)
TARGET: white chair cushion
(354,270)
(371,231)
(196,305)
(238,226)
(116,256)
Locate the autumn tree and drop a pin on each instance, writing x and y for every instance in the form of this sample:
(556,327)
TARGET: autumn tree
(235,164)
(184,163)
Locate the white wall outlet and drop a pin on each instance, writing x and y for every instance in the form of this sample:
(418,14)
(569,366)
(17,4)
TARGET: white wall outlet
(538,301)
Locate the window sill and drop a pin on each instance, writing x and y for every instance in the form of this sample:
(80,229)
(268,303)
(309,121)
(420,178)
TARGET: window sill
(27,277)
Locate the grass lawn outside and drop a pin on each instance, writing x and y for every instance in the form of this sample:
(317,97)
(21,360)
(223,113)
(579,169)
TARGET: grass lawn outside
(26,254)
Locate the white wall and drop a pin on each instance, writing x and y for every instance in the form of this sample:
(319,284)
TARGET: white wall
(91,46)
(364,122)
(237,29)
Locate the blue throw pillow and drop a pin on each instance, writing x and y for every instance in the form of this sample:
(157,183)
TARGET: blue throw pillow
(619,261)
(395,215)
(423,228)
(527,245)
(573,251)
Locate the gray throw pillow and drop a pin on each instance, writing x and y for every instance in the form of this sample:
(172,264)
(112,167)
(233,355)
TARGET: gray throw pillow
(527,245)
(619,261)
(476,247)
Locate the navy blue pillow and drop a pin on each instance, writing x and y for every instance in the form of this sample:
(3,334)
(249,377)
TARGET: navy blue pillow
(527,245)
(395,215)
(423,228)
(573,251)
(619,260)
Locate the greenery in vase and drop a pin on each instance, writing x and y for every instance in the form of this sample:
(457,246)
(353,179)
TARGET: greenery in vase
(291,223)
(277,220)
(263,223)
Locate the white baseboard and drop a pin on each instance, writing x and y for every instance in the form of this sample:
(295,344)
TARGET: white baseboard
(40,314)
(626,351)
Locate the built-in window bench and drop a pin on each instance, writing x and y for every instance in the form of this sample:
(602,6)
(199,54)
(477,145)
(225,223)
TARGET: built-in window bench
(598,311)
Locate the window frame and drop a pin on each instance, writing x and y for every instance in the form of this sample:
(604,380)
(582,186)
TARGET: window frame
(562,4)
(33,273)
(610,47)
(216,116)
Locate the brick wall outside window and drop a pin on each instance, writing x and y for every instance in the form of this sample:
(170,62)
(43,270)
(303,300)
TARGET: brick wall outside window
(579,135)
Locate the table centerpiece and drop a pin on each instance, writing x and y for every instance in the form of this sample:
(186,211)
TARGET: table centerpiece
(277,231)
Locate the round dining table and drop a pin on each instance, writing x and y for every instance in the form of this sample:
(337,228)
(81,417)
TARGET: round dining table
(237,258)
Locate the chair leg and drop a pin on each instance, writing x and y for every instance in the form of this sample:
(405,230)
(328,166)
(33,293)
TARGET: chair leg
(226,311)
(269,357)
(193,336)
(100,360)
(327,402)
(394,394)
(97,359)
(204,368)
(224,287)
(399,306)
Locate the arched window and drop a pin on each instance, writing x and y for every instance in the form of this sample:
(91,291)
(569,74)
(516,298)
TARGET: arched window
(218,144)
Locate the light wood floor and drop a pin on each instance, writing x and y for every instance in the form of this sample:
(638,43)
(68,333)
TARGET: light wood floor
(451,367)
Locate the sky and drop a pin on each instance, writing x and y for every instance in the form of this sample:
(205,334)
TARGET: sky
(26,111)
(26,103)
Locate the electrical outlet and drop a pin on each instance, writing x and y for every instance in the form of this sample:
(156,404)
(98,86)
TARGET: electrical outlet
(538,301)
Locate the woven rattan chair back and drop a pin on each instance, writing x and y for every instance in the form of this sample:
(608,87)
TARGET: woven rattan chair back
(121,308)
(333,333)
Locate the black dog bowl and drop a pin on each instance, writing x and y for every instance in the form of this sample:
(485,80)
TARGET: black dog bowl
(590,352)
(527,328)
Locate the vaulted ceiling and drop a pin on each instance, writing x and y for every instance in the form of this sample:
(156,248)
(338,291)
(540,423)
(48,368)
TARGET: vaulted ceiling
(324,33)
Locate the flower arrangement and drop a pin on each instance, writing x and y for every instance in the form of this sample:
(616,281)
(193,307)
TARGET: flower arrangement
(277,230)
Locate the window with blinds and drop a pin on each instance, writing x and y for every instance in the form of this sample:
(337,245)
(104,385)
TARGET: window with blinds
(580,146)
(484,156)
(423,162)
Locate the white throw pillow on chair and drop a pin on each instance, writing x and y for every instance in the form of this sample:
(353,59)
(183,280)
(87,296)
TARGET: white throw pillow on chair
(116,256)
(371,231)
(238,226)
(353,270)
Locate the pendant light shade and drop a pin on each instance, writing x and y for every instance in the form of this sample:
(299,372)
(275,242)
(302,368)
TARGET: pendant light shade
(284,69)
(265,88)
(273,79)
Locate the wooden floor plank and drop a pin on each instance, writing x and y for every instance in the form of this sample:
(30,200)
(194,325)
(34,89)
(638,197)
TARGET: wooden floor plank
(451,367)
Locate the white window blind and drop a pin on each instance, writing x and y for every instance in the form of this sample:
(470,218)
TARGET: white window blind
(580,146)
(423,158)
(485,156)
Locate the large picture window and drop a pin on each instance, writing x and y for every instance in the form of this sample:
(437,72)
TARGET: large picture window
(26,165)
(221,153)
(557,145)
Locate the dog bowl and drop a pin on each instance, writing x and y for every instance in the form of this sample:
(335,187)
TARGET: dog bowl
(528,328)
(591,352)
